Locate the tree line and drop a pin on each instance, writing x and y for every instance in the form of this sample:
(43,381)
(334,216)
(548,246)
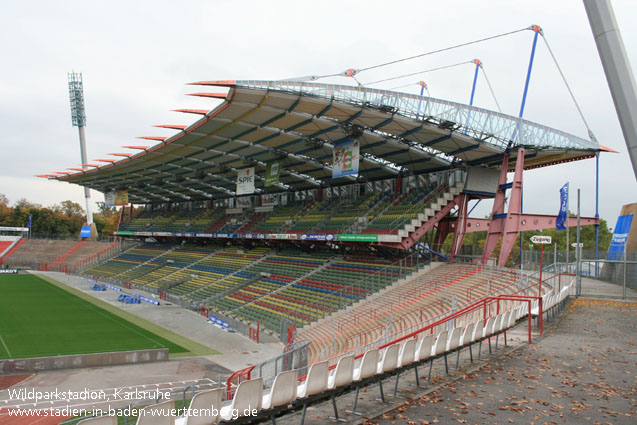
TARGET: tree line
(63,219)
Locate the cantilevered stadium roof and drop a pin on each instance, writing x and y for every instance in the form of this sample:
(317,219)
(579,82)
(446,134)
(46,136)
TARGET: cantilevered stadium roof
(298,123)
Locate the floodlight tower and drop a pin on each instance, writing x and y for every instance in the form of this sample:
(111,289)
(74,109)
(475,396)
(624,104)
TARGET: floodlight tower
(78,118)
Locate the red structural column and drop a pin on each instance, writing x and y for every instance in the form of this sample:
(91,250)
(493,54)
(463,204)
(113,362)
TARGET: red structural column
(512,221)
(442,231)
(496,222)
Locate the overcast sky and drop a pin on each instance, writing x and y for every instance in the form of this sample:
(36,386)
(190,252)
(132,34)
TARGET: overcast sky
(137,56)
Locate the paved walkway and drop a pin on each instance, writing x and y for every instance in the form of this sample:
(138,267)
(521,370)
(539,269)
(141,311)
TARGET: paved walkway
(599,289)
(582,371)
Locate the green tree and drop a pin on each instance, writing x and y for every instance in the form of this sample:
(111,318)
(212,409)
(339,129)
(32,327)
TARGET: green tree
(106,219)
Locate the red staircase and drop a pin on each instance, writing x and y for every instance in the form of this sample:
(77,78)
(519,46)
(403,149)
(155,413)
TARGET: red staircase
(69,252)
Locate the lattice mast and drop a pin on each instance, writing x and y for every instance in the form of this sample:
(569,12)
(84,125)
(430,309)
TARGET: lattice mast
(78,118)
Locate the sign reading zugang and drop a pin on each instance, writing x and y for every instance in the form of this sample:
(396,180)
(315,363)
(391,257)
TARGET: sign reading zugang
(245,181)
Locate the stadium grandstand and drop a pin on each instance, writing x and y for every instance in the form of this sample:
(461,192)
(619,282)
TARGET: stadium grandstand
(250,214)
(315,215)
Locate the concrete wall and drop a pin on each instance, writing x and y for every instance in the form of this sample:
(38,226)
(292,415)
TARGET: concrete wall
(39,364)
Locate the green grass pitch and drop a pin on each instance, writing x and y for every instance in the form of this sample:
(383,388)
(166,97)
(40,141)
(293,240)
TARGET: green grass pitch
(38,319)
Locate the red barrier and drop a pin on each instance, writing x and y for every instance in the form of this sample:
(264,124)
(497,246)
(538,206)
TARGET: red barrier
(239,376)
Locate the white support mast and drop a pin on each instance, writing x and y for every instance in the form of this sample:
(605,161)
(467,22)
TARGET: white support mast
(619,74)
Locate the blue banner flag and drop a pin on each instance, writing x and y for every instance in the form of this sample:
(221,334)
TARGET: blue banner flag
(29,226)
(620,236)
(562,215)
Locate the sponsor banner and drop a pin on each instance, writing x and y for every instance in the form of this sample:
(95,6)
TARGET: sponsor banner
(204,235)
(283,236)
(121,197)
(356,238)
(234,210)
(109,199)
(268,199)
(245,181)
(562,215)
(345,158)
(620,236)
(226,235)
(317,237)
(124,233)
(264,209)
(218,321)
(85,232)
(272,172)
(145,299)
(143,233)
(8,271)
(162,234)
(111,287)
(245,202)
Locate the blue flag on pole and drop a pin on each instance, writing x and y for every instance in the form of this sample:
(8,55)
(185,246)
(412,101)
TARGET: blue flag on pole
(29,226)
(561,216)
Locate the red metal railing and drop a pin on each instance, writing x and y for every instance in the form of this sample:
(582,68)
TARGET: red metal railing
(236,378)
(512,274)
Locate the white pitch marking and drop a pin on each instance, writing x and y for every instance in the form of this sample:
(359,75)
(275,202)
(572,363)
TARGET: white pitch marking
(5,347)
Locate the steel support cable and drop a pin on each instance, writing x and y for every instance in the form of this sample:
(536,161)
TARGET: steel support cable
(358,71)
(417,72)
(411,84)
(351,72)
(484,72)
(568,87)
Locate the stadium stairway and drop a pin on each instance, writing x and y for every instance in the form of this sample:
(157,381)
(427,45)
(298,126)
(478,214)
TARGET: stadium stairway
(65,255)
(174,268)
(264,299)
(127,264)
(33,251)
(236,281)
(217,272)
(416,219)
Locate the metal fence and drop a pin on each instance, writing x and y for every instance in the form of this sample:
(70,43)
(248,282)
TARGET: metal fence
(294,356)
